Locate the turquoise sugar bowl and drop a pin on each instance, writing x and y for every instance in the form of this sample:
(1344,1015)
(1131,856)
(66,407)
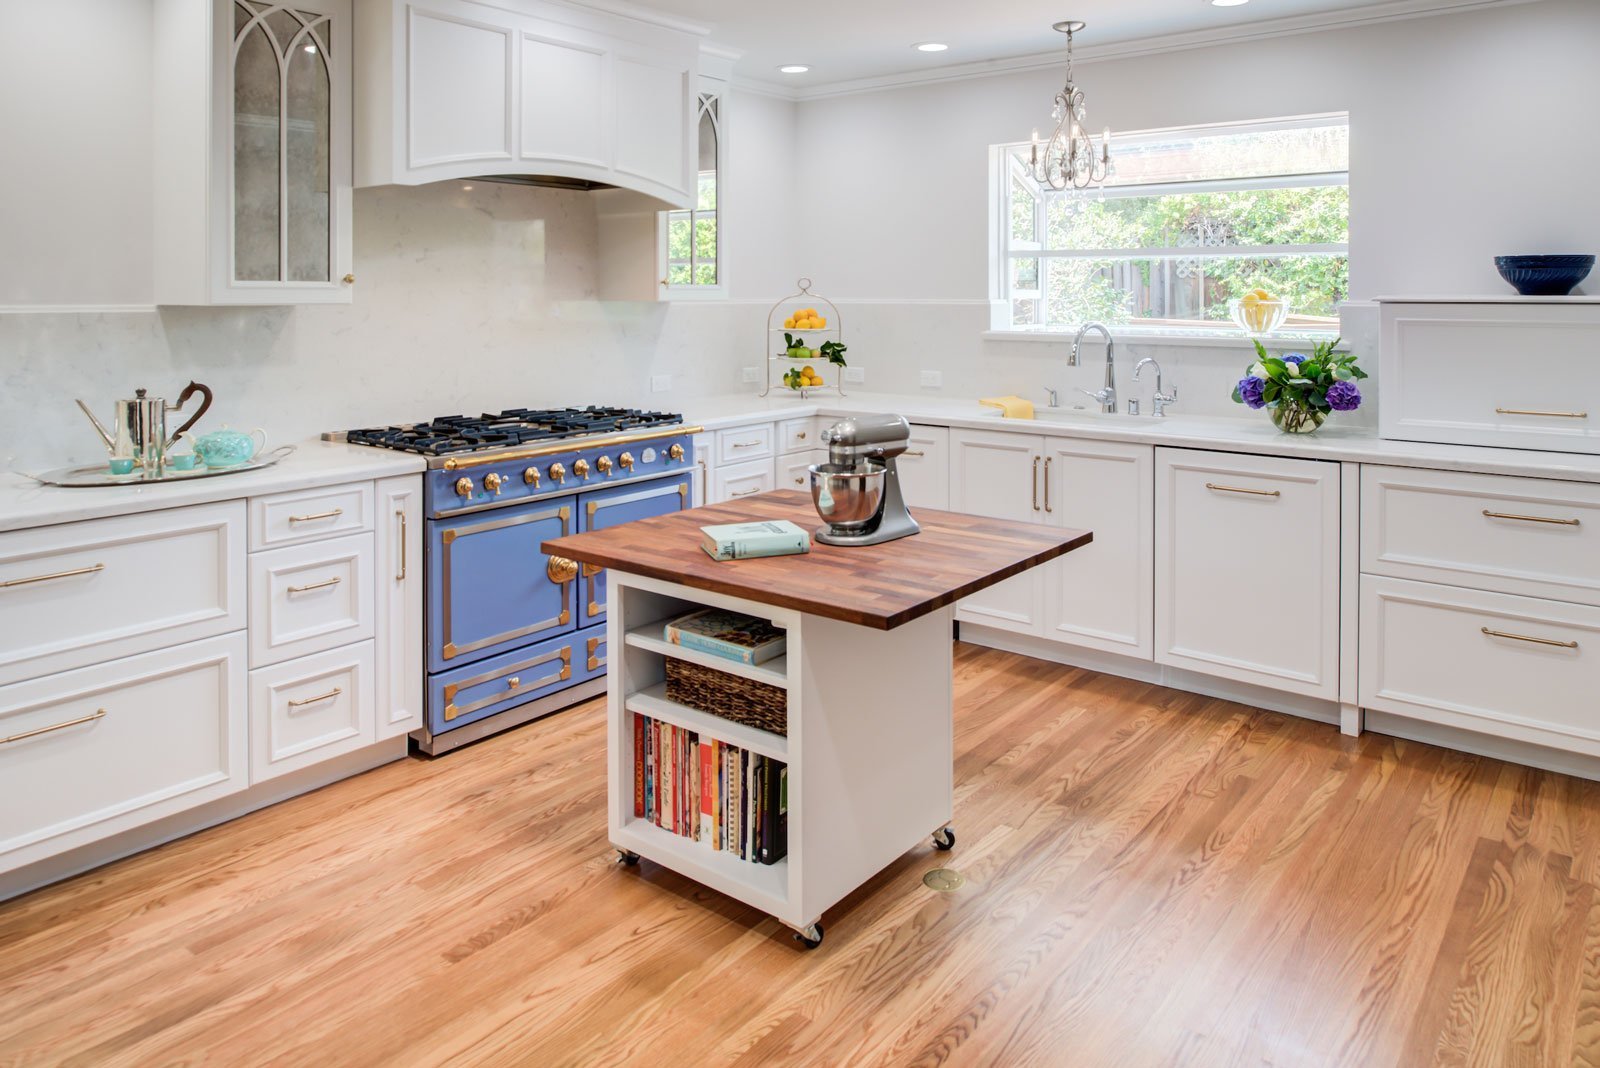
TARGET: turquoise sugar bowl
(229,448)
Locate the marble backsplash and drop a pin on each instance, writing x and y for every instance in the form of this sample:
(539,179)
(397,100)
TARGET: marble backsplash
(467,299)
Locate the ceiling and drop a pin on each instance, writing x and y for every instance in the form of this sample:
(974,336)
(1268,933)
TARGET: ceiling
(845,40)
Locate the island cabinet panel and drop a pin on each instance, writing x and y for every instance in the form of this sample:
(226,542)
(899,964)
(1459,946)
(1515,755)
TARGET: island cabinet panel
(997,474)
(1247,568)
(1102,596)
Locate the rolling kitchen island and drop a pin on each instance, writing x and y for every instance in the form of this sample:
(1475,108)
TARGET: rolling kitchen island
(866,677)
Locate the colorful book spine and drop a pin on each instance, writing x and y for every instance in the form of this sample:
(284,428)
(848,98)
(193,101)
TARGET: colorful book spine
(638,766)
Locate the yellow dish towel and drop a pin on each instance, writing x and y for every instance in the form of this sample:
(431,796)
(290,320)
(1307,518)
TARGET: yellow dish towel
(1012,407)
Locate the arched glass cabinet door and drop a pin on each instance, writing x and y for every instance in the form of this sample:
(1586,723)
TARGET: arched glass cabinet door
(281,189)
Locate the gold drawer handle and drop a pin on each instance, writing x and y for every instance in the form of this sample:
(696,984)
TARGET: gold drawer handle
(98,713)
(800,435)
(1530,518)
(744,444)
(401,515)
(1552,415)
(330,695)
(913,452)
(335,513)
(1527,638)
(324,584)
(745,493)
(1240,489)
(55,575)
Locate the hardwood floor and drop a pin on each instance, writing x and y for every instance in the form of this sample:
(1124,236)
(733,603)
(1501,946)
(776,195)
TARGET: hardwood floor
(1152,878)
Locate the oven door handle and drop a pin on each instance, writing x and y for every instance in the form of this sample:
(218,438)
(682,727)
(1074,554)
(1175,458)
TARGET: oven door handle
(560,569)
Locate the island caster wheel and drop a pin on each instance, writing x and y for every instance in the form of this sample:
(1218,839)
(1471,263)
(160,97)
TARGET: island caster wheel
(811,937)
(628,857)
(944,839)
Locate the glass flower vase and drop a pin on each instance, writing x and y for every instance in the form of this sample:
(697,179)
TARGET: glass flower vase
(1296,418)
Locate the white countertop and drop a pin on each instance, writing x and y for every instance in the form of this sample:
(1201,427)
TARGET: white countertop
(25,503)
(1254,434)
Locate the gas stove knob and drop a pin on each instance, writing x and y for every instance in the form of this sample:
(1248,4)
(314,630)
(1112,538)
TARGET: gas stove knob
(675,451)
(464,486)
(604,465)
(558,473)
(580,468)
(626,461)
(493,481)
(531,477)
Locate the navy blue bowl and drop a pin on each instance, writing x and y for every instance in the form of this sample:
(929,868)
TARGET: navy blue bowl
(1544,276)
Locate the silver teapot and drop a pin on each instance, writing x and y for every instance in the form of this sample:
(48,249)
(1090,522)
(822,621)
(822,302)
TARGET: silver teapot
(139,426)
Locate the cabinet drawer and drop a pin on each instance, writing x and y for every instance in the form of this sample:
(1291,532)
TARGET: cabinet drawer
(793,470)
(308,598)
(81,593)
(1531,536)
(744,443)
(310,515)
(925,468)
(798,435)
(1460,374)
(90,753)
(308,710)
(473,691)
(1509,666)
(741,480)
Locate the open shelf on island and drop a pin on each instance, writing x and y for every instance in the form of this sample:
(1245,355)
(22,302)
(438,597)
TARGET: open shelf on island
(716,868)
(774,672)
(653,702)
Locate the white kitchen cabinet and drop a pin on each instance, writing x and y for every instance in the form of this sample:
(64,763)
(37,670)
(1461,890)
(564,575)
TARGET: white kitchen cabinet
(794,470)
(732,481)
(252,135)
(741,444)
(998,474)
(1247,568)
(701,475)
(580,95)
(311,709)
(307,598)
(398,584)
(306,515)
(925,468)
(1102,595)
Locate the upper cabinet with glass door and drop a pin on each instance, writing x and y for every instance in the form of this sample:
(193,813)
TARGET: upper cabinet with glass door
(580,96)
(253,179)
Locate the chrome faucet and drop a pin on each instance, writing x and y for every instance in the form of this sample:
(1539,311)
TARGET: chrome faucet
(1108,395)
(1158,400)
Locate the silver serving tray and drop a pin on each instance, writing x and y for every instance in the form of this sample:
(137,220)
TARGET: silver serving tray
(100,475)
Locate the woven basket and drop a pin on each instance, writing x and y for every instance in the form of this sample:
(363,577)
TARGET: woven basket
(753,704)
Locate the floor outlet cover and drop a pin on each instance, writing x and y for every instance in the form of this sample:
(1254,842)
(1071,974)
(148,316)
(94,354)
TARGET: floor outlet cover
(944,880)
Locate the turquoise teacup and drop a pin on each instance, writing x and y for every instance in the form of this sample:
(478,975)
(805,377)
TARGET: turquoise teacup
(182,462)
(122,465)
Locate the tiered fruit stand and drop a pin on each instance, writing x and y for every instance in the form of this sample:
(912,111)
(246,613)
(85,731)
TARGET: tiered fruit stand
(834,331)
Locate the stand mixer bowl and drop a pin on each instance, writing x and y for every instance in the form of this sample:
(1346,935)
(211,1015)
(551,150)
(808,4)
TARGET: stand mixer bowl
(847,496)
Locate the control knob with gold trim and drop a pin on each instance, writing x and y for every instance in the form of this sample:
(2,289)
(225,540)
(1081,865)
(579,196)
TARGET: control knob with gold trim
(580,468)
(558,472)
(626,461)
(463,486)
(675,451)
(493,481)
(604,465)
(531,477)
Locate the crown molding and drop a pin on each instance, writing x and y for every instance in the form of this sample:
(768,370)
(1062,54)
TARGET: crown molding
(1390,11)
(745,84)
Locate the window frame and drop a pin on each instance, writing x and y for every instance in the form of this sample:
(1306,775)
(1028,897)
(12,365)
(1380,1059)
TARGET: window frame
(1005,167)
(709,91)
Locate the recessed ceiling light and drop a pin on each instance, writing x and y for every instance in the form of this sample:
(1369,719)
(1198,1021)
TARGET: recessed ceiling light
(930,46)
(794,68)
(1229,3)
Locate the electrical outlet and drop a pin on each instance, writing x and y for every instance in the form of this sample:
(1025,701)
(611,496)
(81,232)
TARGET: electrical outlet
(855,374)
(932,380)
(660,383)
(749,374)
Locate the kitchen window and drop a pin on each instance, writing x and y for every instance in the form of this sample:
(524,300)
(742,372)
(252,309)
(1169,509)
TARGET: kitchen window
(692,240)
(1189,219)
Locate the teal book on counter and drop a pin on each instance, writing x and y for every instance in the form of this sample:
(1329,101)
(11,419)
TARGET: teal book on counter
(741,541)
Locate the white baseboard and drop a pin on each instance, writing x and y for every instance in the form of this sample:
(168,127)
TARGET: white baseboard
(76,861)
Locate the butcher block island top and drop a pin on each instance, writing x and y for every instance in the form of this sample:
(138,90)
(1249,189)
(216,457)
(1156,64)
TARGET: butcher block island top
(882,586)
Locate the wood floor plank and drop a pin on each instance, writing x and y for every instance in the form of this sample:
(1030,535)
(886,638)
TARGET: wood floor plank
(1152,878)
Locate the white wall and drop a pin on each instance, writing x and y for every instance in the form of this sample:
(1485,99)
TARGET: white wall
(1471,135)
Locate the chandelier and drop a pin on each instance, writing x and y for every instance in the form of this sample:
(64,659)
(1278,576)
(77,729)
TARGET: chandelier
(1070,158)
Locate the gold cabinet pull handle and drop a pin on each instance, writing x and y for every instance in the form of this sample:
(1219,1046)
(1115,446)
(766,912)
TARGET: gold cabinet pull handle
(324,584)
(913,452)
(744,444)
(6,585)
(98,713)
(1530,518)
(800,435)
(1036,483)
(332,514)
(330,695)
(745,493)
(401,515)
(1528,638)
(1047,460)
(1534,411)
(1240,489)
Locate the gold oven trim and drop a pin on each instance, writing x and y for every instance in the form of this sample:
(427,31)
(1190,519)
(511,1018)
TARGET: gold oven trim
(456,463)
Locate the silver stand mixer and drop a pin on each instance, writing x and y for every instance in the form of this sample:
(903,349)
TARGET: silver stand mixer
(857,492)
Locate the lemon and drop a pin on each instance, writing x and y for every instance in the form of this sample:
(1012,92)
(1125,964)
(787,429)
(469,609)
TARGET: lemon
(788,324)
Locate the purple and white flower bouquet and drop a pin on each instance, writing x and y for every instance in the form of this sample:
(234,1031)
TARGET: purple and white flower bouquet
(1300,391)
